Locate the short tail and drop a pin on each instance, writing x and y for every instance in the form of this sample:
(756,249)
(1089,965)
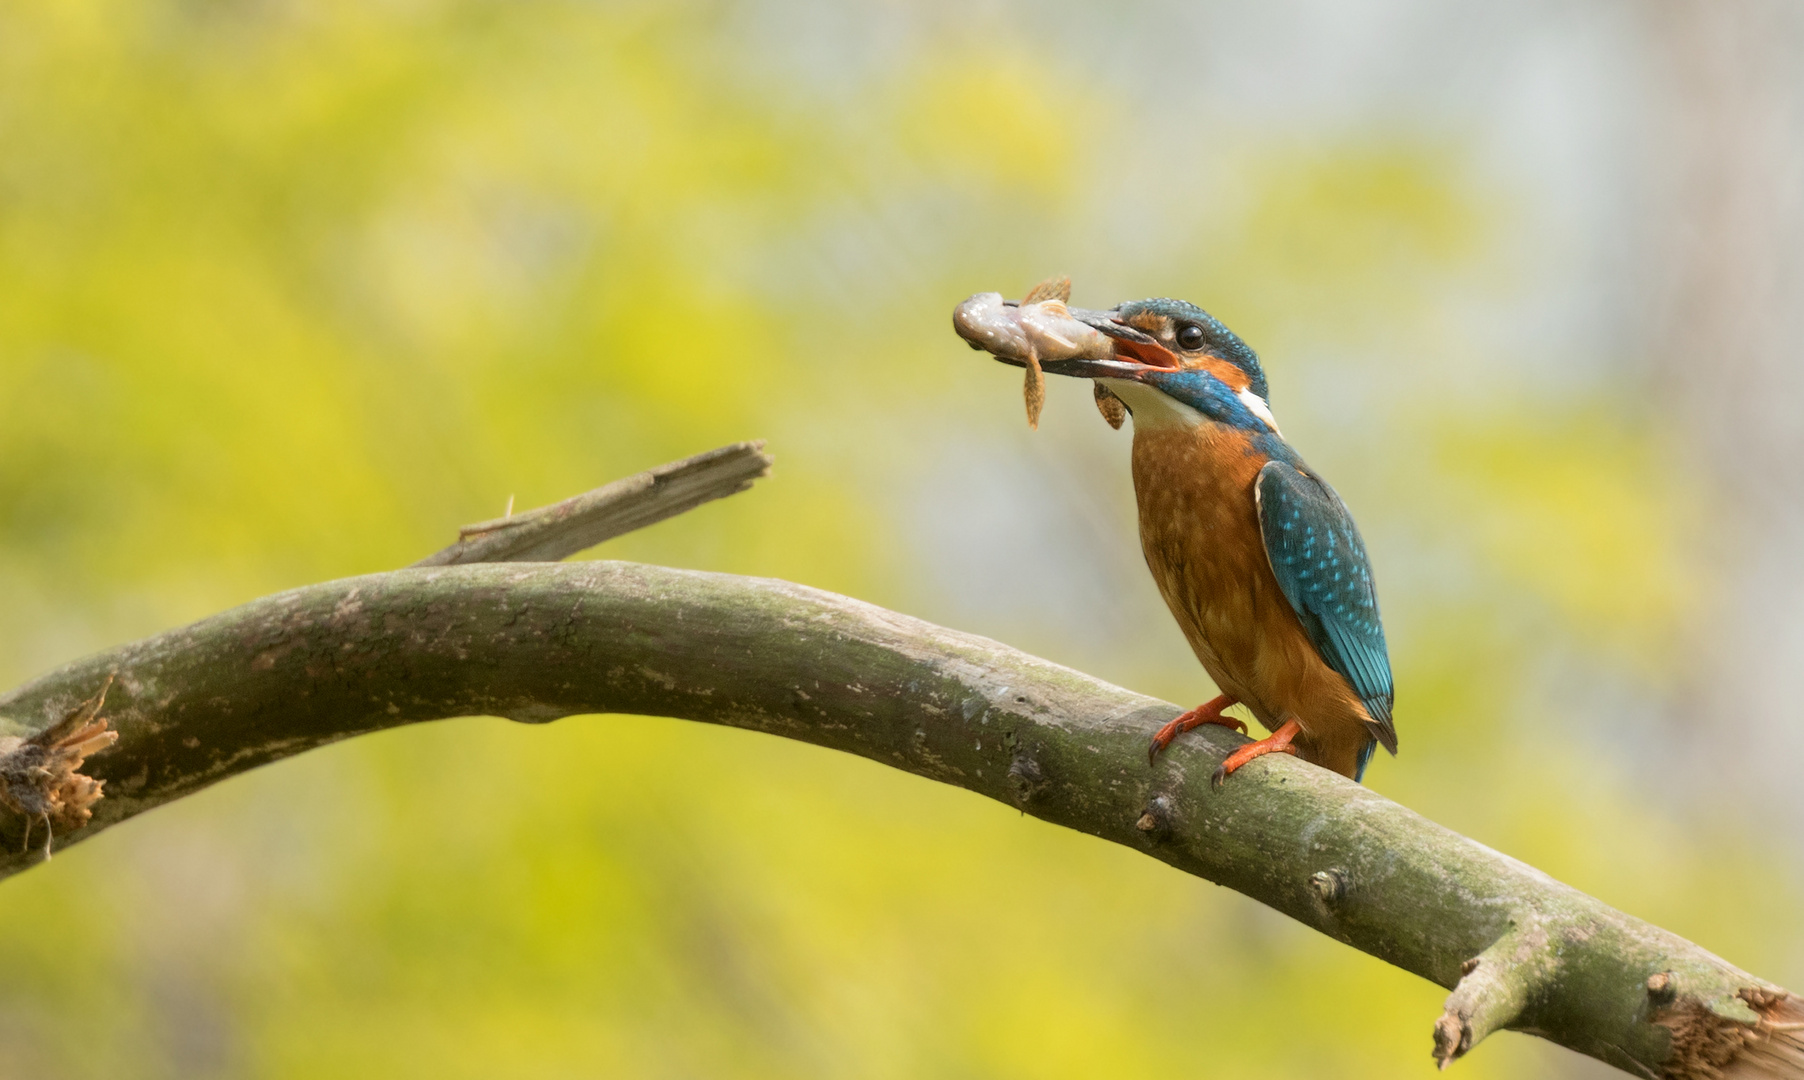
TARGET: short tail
(1381,730)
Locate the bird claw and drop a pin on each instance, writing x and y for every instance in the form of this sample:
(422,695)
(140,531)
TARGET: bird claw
(1207,713)
(1278,742)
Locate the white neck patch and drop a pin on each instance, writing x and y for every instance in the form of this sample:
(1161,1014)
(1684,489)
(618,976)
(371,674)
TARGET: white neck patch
(1153,410)
(1257,406)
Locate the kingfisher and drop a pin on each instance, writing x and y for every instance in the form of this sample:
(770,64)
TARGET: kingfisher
(1256,556)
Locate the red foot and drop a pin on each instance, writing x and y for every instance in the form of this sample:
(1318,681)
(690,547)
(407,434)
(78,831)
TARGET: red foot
(1278,742)
(1207,713)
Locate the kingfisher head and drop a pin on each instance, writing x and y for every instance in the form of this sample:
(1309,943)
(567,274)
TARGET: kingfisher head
(1169,361)
(1173,362)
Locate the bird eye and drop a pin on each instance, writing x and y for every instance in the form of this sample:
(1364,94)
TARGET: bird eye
(1190,336)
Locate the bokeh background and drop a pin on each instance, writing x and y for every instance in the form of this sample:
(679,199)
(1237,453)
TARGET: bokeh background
(290,290)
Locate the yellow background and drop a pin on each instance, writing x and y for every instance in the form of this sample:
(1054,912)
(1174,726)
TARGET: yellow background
(289,291)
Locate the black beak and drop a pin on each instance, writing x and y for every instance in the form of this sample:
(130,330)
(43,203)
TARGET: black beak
(1131,346)
(1094,369)
(1109,322)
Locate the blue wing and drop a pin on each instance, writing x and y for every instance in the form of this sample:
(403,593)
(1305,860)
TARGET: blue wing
(1321,566)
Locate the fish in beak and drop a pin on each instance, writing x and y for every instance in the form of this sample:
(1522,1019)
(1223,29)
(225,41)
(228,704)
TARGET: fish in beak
(1042,333)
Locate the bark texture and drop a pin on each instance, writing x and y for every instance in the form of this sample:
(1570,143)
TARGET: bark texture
(562,529)
(537,642)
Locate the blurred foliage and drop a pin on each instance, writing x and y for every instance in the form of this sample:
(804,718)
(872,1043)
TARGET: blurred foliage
(287,292)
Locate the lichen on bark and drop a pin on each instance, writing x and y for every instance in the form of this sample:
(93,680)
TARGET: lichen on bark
(535,642)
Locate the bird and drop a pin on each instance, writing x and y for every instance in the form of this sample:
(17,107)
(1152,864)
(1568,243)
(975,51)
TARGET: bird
(1256,556)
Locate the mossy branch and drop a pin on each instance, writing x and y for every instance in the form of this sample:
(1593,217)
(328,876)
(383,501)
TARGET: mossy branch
(536,642)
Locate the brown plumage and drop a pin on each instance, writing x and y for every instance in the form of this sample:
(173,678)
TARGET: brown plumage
(1199,530)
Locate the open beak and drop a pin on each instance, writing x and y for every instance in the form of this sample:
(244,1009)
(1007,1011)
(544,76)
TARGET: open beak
(1132,354)
(1064,340)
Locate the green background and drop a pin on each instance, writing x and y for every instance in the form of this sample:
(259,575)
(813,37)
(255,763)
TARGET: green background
(289,291)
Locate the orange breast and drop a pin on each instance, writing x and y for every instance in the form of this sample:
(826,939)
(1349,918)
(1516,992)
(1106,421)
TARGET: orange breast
(1199,529)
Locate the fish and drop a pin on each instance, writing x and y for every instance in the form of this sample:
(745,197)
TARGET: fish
(1034,329)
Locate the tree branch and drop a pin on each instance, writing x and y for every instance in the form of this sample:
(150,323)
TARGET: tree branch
(534,643)
(560,530)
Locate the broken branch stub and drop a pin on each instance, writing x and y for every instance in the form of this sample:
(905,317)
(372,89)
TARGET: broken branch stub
(555,532)
(40,775)
(1758,1036)
(1494,988)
